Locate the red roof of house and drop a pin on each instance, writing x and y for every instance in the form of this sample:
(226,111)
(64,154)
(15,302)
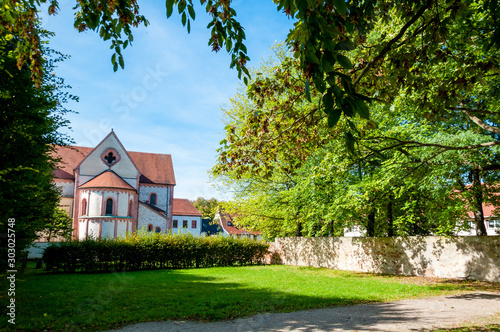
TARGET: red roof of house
(184,207)
(487,211)
(154,167)
(107,179)
(231,229)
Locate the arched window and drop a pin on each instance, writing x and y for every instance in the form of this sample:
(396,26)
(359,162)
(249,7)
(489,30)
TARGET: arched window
(150,228)
(109,207)
(157,230)
(83,211)
(152,199)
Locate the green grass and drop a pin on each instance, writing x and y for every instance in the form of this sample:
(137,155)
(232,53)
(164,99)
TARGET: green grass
(104,301)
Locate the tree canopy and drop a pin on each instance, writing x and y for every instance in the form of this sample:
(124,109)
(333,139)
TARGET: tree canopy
(31,117)
(402,35)
(207,207)
(407,170)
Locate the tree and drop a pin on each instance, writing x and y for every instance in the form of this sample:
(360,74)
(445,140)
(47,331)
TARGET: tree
(30,119)
(322,38)
(207,207)
(400,176)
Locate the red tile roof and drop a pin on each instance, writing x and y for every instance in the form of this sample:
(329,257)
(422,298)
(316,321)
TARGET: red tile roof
(154,167)
(184,207)
(487,211)
(107,179)
(227,219)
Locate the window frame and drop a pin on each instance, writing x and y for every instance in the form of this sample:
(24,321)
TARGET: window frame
(83,210)
(106,206)
(151,195)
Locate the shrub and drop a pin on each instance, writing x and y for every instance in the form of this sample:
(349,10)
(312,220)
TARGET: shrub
(145,251)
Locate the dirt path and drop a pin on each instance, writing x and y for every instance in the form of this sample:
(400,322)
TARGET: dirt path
(407,315)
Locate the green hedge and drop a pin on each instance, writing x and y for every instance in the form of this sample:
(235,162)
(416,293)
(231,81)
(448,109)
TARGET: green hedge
(151,251)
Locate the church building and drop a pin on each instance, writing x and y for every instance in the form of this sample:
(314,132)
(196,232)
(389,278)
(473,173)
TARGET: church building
(109,191)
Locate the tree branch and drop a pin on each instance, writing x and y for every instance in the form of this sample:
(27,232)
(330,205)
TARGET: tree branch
(388,46)
(446,147)
(481,123)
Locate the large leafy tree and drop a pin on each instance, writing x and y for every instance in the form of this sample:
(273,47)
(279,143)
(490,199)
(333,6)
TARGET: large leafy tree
(323,33)
(207,207)
(30,119)
(402,173)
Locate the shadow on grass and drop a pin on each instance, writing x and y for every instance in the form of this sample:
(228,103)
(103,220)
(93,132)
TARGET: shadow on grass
(74,302)
(369,317)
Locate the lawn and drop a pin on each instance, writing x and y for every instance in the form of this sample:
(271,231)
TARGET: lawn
(104,301)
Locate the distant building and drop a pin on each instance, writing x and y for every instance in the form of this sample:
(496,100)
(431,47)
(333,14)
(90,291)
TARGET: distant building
(109,191)
(226,221)
(491,222)
(186,218)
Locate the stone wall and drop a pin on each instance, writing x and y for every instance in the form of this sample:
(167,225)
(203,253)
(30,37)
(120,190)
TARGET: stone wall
(475,258)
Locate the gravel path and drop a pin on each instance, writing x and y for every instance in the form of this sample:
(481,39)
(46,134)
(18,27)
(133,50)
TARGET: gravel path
(407,315)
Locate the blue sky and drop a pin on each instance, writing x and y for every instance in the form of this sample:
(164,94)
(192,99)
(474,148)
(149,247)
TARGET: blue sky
(168,98)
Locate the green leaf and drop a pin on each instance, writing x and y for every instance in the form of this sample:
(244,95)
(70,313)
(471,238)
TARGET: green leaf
(333,117)
(120,60)
(308,92)
(344,61)
(181,6)
(170,7)
(191,12)
(328,101)
(349,140)
(345,45)
(184,18)
(362,109)
(189,26)
(340,6)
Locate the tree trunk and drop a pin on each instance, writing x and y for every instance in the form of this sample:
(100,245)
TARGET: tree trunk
(370,226)
(299,228)
(390,219)
(477,205)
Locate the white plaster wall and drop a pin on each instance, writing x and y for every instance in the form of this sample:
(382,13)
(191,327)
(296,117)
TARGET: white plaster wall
(444,257)
(95,203)
(123,202)
(180,230)
(94,229)
(82,228)
(147,216)
(161,195)
(93,164)
(67,188)
(84,179)
(121,230)
(108,229)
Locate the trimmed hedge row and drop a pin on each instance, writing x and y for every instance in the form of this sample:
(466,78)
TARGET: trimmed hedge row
(151,251)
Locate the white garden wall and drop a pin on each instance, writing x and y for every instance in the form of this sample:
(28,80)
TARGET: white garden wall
(444,257)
